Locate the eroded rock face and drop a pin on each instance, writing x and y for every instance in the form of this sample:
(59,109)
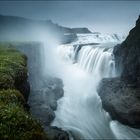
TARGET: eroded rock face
(121,100)
(121,96)
(43,102)
(127,55)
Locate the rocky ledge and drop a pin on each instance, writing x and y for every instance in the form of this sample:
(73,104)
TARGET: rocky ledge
(127,55)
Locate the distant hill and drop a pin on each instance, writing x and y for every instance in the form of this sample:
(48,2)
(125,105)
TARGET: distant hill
(19,28)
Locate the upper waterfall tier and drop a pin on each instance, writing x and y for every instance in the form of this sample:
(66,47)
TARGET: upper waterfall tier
(93,57)
(97,60)
(98,38)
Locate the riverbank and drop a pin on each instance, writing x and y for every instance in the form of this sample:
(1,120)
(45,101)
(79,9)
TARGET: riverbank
(15,90)
(45,90)
(16,121)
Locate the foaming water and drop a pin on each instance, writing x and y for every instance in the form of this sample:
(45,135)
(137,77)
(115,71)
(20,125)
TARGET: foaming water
(97,60)
(80,110)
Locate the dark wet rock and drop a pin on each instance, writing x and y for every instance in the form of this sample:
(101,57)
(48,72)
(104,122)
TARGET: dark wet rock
(46,99)
(106,49)
(59,92)
(50,81)
(54,133)
(127,55)
(55,85)
(24,88)
(122,100)
(44,114)
(53,104)
(121,96)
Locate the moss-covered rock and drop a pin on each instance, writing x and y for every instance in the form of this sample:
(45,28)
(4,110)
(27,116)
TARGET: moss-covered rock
(11,96)
(15,122)
(13,69)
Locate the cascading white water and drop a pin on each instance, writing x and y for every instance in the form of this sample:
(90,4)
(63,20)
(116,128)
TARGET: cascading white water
(80,110)
(97,60)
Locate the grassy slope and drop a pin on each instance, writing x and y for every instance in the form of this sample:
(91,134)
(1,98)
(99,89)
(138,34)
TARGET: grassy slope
(15,122)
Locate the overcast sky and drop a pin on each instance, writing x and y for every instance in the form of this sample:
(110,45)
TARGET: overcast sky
(103,16)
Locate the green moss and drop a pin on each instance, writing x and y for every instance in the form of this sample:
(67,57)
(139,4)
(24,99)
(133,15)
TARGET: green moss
(16,124)
(11,97)
(12,67)
(6,81)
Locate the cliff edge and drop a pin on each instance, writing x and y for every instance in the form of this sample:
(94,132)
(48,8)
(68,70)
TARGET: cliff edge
(15,121)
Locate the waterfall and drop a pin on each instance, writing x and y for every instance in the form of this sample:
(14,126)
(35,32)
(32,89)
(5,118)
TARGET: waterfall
(80,112)
(97,60)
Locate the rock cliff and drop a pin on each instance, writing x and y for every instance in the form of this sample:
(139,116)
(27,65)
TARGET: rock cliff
(45,90)
(127,55)
(121,96)
(15,121)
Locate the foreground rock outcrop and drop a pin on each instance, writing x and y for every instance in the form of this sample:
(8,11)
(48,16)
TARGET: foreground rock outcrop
(127,55)
(121,96)
(15,121)
(121,100)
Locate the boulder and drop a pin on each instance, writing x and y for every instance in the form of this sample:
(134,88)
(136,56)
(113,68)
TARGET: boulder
(44,114)
(122,100)
(54,133)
